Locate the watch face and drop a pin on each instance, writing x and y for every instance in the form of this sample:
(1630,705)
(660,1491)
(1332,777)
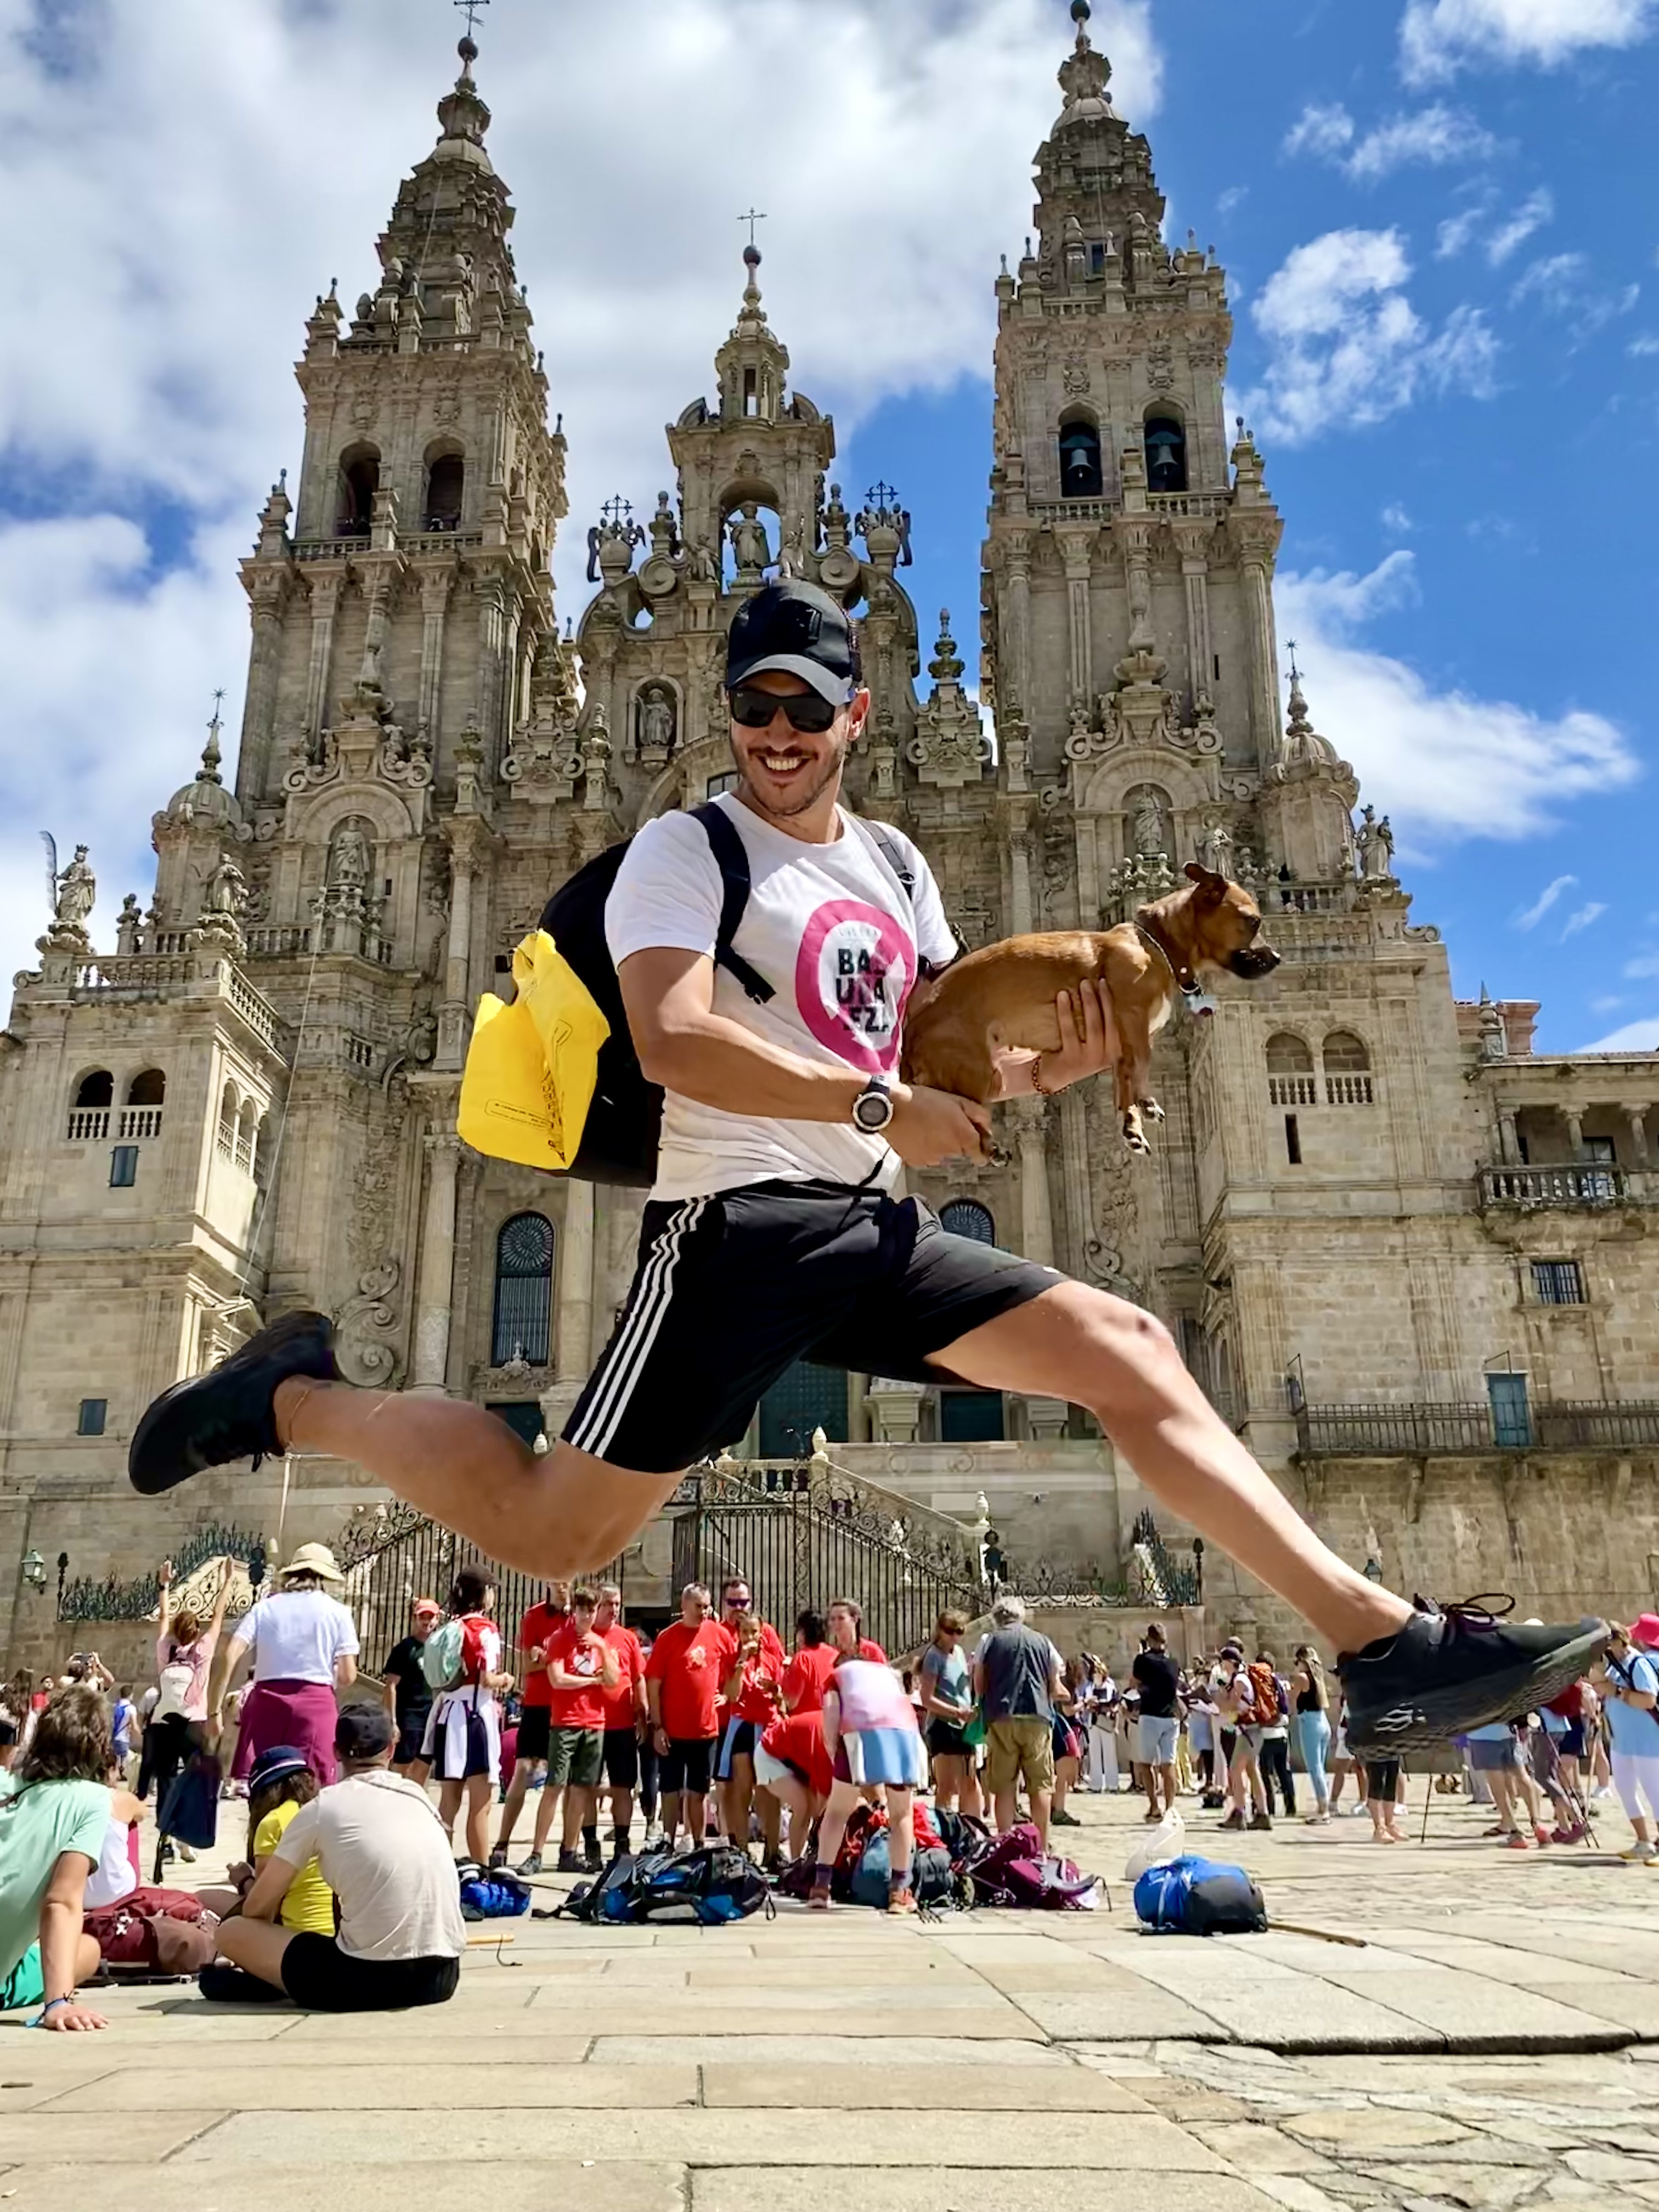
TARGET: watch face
(874,1110)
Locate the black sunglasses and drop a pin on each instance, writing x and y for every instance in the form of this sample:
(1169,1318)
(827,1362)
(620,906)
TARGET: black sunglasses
(807,711)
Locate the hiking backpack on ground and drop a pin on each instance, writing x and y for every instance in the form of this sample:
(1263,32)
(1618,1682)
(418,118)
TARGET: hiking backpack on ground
(1016,1872)
(710,1886)
(1193,1896)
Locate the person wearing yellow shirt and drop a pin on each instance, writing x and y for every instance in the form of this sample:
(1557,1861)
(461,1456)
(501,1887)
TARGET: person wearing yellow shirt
(279,1783)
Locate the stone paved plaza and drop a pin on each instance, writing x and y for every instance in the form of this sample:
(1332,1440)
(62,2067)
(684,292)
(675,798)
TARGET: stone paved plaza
(1492,2044)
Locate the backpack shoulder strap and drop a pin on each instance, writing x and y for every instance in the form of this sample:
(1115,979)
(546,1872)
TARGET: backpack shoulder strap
(879,835)
(731,858)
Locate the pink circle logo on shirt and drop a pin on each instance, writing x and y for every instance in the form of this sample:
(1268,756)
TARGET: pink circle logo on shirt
(852,976)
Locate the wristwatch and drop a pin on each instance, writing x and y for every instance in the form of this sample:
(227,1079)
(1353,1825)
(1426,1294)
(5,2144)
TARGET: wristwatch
(873,1110)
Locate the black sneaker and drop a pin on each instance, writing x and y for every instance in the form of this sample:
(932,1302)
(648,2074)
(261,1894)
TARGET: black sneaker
(210,1419)
(1455,1667)
(571,1863)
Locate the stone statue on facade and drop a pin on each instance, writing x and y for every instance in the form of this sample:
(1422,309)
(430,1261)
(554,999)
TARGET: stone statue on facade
(1215,848)
(225,894)
(76,895)
(1374,845)
(655,723)
(347,859)
(751,547)
(128,924)
(1147,825)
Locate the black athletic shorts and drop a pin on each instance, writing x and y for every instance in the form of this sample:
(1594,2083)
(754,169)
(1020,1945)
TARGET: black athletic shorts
(730,1291)
(535,1723)
(687,1765)
(411,1736)
(318,1975)
(622,1758)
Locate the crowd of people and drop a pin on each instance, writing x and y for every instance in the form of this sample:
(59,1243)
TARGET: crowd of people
(348,1896)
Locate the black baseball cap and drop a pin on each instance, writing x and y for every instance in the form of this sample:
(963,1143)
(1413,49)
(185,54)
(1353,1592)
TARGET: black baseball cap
(796,628)
(362,1732)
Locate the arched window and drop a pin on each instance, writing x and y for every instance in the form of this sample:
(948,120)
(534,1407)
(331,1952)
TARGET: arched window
(1166,453)
(141,1115)
(89,1115)
(230,1106)
(262,1152)
(523,1291)
(966,1217)
(1080,475)
(1348,1070)
(1290,1071)
(445,482)
(246,1126)
(360,479)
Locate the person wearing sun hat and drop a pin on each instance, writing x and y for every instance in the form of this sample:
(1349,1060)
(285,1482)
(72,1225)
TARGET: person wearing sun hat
(304,1646)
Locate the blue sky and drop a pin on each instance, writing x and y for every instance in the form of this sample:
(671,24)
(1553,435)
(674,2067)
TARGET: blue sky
(1438,221)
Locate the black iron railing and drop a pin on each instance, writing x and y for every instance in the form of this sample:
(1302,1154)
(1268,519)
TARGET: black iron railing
(114,1600)
(1423,1429)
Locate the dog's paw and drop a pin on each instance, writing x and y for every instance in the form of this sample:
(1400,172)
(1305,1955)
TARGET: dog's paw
(1134,1136)
(1151,1109)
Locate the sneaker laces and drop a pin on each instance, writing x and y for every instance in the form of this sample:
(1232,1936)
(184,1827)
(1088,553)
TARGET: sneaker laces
(1481,1615)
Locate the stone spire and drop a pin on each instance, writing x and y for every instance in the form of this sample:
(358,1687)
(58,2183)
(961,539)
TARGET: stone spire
(1099,209)
(1084,74)
(446,244)
(754,361)
(463,114)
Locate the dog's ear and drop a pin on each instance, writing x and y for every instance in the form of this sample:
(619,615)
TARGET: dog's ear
(1212,888)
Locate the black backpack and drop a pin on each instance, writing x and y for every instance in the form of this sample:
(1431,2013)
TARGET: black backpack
(624,1122)
(710,1887)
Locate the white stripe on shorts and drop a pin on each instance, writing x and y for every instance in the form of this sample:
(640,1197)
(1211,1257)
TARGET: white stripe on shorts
(632,1349)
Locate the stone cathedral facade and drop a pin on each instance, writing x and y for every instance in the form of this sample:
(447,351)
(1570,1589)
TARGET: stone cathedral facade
(1413,1263)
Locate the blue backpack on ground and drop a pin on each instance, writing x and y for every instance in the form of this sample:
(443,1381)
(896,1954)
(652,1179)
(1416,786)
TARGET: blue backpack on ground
(1192,1896)
(497,1895)
(710,1886)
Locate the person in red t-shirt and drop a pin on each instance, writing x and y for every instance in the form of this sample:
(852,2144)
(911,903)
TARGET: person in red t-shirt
(581,1668)
(535,1632)
(846,1627)
(625,1714)
(688,1662)
(814,1663)
(753,1700)
(793,1770)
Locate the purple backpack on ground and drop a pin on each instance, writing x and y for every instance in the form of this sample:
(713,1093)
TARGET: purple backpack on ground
(1016,1872)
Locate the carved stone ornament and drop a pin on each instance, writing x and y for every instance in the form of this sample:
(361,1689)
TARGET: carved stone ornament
(1160,367)
(950,748)
(365,1325)
(655,724)
(1074,377)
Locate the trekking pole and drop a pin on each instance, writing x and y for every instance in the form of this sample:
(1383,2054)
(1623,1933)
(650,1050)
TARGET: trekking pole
(1428,1792)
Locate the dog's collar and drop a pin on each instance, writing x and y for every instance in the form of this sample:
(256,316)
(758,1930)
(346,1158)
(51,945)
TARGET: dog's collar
(1152,932)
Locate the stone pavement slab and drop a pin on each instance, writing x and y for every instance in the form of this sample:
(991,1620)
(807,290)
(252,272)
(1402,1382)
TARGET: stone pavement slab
(1146,2013)
(1474,2011)
(797,2047)
(957,2189)
(297,2185)
(33,2137)
(318,2088)
(944,2088)
(774,2136)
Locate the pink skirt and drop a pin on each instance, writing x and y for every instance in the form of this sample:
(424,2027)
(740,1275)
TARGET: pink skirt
(299,1714)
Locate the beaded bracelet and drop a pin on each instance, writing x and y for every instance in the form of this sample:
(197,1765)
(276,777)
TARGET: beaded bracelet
(50,2005)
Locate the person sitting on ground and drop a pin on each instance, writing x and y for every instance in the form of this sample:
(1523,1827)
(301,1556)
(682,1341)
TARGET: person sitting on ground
(280,1785)
(385,1853)
(1017,1680)
(463,1741)
(55,1811)
(870,1733)
(947,1695)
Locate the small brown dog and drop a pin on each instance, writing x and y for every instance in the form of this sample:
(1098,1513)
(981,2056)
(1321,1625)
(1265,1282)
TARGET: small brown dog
(1004,994)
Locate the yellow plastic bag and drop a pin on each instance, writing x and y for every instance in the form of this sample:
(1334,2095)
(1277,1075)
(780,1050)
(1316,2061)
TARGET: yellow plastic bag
(532,1065)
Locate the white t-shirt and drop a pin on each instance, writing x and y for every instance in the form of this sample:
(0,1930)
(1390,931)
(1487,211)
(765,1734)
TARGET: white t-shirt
(297,1635)
(829,927)
(382,1850)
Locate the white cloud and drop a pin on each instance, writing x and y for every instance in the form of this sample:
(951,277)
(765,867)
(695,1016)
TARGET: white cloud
(1447,765)
(1635,1036)
(1455,234)
(1534,212)
(1645,967)
(1606,1003)
(1529,917)
(1394,518)
(1562,286)
(1643,348)
(1584,917)
(198,174)
(1348,349)
(1439,37)
(1235,195)
(1437,134)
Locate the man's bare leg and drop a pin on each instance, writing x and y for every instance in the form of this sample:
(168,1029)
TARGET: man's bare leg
(565,1514)
(1077,1343)
(524,1773)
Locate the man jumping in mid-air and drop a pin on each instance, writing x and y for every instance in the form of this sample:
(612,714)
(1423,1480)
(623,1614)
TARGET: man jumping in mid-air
(772,1232)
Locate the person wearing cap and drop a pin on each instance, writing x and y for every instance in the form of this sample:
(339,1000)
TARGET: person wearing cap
(775,1228)
(408,1692)
(304,1649)
(381,1849)
(280,1783)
